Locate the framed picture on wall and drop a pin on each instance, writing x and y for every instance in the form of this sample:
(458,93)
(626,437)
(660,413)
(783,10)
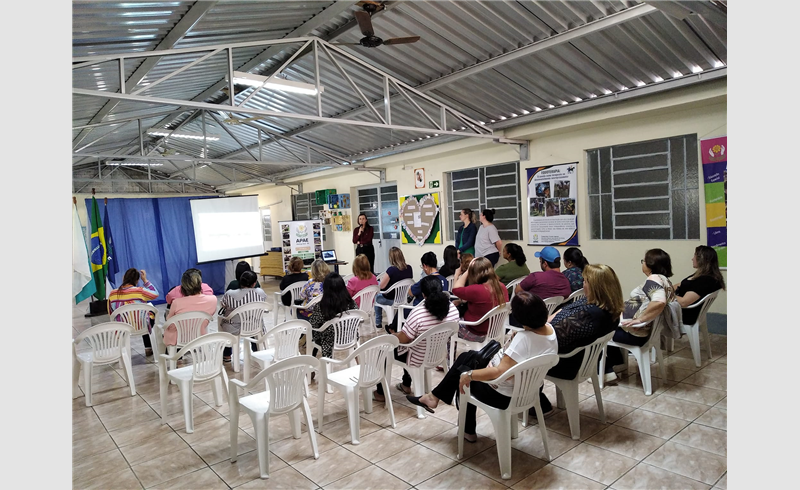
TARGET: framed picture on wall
(419,178)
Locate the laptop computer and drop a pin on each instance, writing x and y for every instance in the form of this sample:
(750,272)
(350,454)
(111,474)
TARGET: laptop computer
(329,256)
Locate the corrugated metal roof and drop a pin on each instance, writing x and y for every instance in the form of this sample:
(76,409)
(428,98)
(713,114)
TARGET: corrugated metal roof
(494,61)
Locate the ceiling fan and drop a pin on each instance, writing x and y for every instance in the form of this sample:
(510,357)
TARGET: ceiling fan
(370,40)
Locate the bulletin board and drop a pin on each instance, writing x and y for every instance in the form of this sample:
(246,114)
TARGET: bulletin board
(419,219)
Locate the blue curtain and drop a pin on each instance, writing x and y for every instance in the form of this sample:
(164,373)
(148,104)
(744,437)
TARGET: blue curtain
(157,235)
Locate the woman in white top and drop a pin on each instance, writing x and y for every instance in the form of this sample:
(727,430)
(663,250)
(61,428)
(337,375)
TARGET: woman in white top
(487,242)
(537,339)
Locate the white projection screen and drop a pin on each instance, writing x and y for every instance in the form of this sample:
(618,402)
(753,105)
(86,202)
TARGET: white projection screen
(227,228)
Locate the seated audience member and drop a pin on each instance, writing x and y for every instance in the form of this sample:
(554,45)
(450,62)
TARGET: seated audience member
(435,310)
(549,281)
(240,268)
(451,261)
(234,298)
(334,302)
(574,262)
(314,286)
(295,274)
(192,299)
(128,293)
(397,271)
(538,338)
(429,267)
(647,301)
(705,280)
(363,277)
(515,267)
(481,290)
(466,259)
(176,292)
(585,320)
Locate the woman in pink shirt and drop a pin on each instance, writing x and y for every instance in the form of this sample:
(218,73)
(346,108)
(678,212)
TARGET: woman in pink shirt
(363,277)
(193,299)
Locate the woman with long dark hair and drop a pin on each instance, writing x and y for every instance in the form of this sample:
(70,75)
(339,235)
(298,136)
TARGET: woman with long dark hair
(451,262)
(481,290)
(516,266)
(362,237)
(487,241)
(241,267)
(574,262)
(465,235)
(334,302)
(435,309)
(705,280)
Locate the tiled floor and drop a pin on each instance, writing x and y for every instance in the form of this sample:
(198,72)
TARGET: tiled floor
(676,438)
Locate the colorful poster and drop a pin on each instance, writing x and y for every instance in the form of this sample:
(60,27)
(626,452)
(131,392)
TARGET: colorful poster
(714,154)
(419,219)
(552,205)
(301,239)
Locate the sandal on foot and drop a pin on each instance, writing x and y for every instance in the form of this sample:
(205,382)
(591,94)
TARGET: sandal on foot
(226,359)
(415,401)
(473,438)
(376,395)
(402,387)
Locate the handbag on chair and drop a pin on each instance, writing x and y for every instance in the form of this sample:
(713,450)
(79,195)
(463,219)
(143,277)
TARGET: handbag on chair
(479,359)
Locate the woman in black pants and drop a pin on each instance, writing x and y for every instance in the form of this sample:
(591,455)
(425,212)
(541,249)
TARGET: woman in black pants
(362,237)
(537,339)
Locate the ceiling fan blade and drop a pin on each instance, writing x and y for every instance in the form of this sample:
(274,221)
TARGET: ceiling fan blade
(401,40)
(364,23)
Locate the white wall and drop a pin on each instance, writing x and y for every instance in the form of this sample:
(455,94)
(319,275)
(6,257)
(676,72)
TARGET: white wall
(700,110)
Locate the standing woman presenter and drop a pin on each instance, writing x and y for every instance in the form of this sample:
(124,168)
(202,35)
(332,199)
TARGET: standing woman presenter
(362,237)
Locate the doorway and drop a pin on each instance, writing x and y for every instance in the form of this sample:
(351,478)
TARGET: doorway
(380,205)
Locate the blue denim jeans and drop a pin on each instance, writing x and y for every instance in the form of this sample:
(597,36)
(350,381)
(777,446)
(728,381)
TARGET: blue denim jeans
(379,299)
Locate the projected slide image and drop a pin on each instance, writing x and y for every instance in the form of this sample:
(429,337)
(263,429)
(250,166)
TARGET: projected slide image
(230,230)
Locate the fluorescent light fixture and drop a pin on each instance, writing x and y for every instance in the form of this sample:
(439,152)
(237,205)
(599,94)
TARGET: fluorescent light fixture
(718,64)
(578,99)
(275,83)
(677,74)
(537,109)
(525,112)
(550,106)
(606,91)
(623,88)
(640,83)
(181,134)
(658,79)
(592,96)
(133,164)
(696,69)
(564,102)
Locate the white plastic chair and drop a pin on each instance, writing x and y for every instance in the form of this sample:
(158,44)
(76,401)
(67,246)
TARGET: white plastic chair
(138,316)
(497,318)
(347,277)
(374,365)
(552,303)
(285,395)
(294,290)
(206,367)
(511,286)
(567,389)
(189,326)
(251,325)
(577,294)
(366,303)
(345,337)
(434,341)
(451,279)
(110,342)
(285,339)
(528,378)
(306,307)
(693,331)
(642,354)
(400,289)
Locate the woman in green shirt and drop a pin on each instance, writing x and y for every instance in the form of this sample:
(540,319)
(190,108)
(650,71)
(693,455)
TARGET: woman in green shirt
(516,264)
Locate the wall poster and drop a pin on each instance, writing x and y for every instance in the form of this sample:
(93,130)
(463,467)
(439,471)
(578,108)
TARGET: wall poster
(714,154)
(302,239)
(552,205)
(419,219)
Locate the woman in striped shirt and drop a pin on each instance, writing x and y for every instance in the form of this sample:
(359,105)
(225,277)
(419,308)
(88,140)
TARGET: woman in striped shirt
(435,309)
(129,293)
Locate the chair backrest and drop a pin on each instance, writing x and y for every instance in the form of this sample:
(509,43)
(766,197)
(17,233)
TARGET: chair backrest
(704,304)
(206,352)
(106,340)
(511,286)
(451,279)
(400,289)
(497,318)
(592,354)
(348,277)
(577,294)
(137,315)
(434,341)
(380,276)
(367,298)
(316,299)
(286,381)
(346,328)
(552,303)
(528,377)
(295,289)
(287,338)
(251,318)
(375,359)
(188,325)
(655,331)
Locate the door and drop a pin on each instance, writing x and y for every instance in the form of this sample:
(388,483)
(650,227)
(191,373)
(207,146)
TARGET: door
(380,205)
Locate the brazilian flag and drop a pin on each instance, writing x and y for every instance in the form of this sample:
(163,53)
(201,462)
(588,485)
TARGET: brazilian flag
(97,254)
